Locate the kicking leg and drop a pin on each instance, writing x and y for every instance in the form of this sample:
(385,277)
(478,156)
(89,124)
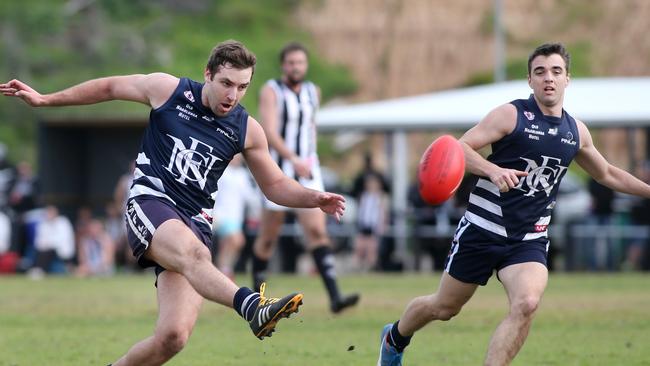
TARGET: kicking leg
(178,308)
(525,284)
(176,248)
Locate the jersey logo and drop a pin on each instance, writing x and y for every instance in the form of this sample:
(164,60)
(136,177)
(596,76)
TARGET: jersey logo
(529,115)
(188,94)
(541,177)
(191,164)
(228,132)
(568,139)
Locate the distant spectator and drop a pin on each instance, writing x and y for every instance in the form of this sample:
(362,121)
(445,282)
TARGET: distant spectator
(5,233)
(236,191)
(600,255)
(116,230)
(8,260)
(122,187)
(368,170)
(22,196)
(7,176)
(54,243)
(372,218)
(96,251)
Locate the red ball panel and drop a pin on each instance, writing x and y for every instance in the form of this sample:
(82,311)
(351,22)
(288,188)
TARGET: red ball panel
(441,170)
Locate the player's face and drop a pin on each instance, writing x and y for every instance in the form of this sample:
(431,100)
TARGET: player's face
(548,78)
(294,66)
(226,88)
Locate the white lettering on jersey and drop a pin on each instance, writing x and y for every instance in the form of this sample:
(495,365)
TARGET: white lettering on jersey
(192,164)
(541,177)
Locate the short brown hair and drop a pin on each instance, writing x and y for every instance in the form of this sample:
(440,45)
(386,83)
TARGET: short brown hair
(230,52)
(548,49)
(291,47)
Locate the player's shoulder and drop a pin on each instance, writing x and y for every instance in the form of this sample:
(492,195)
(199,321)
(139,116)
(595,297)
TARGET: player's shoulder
(505,114)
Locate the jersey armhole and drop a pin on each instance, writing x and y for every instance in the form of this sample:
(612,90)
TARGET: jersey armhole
(243,130)
(517,122)
(171,97)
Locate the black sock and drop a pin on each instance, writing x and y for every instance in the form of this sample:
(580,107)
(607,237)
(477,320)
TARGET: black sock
(325,263)
(397,340)
(245,302)
(259,271)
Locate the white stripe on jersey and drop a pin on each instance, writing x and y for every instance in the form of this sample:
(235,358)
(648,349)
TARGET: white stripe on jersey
(137,173)
(486,224)
(485,204)
(488,186)
(139,190)
(544,220)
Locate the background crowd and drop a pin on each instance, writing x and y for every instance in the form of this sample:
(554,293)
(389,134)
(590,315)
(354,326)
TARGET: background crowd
(597,230)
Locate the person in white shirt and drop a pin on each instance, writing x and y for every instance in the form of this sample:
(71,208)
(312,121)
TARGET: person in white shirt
(54,240)
(236,192)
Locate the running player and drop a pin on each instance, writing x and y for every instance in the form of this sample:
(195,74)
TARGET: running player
(195,129)
(505,227)
(287,109)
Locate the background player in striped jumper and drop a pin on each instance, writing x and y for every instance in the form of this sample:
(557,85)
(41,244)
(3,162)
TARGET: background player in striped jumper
(194,131)
(287,110)
(505,226)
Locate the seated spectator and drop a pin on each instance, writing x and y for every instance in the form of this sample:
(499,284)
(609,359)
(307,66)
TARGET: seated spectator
(116,230)
(54,244)
(236,191)
(96,251)
(8,259)
(372,218)
(5,233)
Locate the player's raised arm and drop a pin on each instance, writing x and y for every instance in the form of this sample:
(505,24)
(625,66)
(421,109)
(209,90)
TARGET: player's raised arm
(494,126)
(151,89)
(276,186)
(590,159)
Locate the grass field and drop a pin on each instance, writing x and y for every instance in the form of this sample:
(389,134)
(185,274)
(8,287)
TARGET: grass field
(583,320)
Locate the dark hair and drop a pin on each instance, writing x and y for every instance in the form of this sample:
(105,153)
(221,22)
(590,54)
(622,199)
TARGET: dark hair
(230,52)
(291,47)
(548,49)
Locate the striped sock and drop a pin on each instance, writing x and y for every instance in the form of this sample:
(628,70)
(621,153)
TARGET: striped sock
(245,302)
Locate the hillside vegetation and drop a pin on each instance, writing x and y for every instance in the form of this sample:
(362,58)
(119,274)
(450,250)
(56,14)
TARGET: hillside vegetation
(57,43)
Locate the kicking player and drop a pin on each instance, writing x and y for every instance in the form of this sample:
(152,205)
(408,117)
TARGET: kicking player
(195,129)
(505,227)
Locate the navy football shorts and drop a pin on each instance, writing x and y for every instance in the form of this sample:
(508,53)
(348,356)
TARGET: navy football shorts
(474,255)
(144,214)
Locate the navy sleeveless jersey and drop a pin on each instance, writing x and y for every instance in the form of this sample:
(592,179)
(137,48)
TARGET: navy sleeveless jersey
(185,149)
(543,146)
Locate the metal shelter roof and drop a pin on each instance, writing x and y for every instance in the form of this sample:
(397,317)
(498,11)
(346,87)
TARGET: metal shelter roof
(599,102)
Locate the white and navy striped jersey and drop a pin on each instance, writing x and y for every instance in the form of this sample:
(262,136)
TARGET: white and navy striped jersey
(543,146)
(185,149)
(296,122)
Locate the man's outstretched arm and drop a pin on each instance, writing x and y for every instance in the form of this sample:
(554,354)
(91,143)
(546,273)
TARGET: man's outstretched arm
(151,89)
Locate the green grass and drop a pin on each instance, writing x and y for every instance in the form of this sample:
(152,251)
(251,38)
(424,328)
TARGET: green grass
(583,320)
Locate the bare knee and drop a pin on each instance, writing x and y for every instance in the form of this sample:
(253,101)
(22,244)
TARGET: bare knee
(446,312)
(525,306)
(439,309)
(317,236)
(172,341)
(196,253)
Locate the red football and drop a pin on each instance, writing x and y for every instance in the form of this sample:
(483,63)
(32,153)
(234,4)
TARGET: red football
(441,170)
